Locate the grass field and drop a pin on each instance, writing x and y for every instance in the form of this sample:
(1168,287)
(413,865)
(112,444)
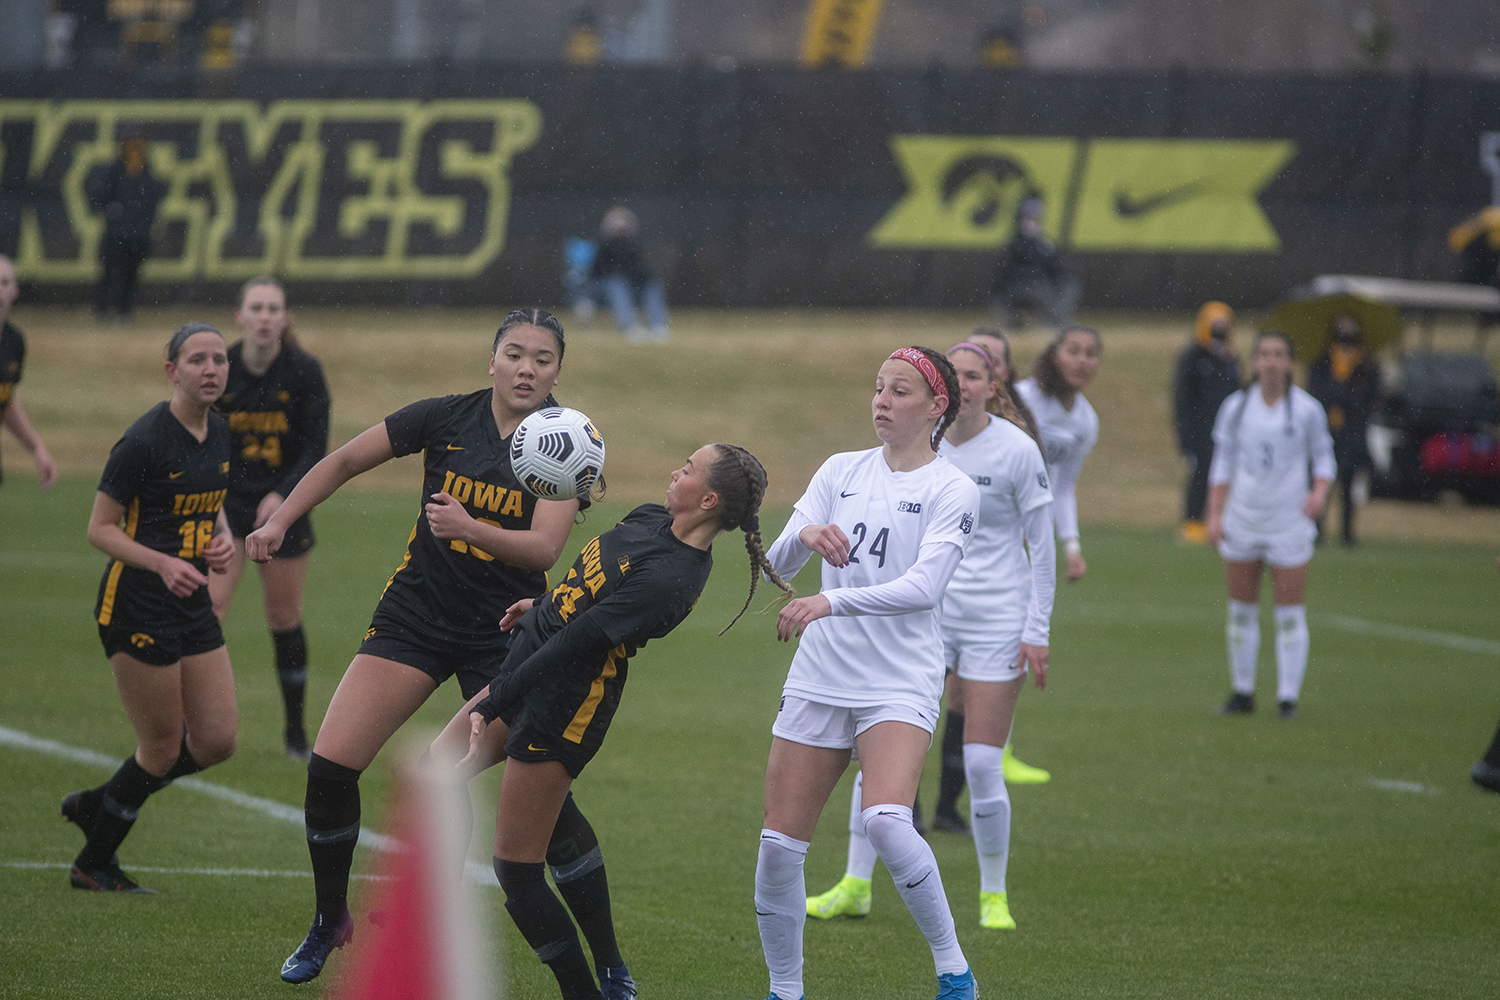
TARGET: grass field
(1175,854)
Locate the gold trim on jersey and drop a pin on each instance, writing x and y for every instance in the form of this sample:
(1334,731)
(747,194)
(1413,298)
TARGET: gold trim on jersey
(585,714)
(405,561)
(107,605)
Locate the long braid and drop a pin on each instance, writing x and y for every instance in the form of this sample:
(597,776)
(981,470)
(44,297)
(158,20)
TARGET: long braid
(740,481)
(950,382)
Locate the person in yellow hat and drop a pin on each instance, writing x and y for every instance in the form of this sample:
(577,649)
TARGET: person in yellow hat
(1347,383)
(1207,373)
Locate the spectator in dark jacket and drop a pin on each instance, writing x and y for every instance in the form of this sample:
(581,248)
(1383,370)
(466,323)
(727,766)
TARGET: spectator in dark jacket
(1347,383)
(1207,374)
(1032,275)
(621,276)
(128,196)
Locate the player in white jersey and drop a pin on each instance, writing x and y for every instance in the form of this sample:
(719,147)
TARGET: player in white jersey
(1266,437)
(995,620)
(891,525)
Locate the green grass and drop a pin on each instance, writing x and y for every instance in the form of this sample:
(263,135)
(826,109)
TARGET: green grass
(1174,853)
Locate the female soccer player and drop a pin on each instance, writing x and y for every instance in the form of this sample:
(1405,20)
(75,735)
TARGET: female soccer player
(480,544)
(166,480)
(891,525)
(277,407)
(1068,425)
(1261,512)
(561,686)
(996,614)
(12,360)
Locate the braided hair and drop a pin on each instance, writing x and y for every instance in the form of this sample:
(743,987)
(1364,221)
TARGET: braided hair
(1007,403)
(740,481)
(950,382)
(531,317)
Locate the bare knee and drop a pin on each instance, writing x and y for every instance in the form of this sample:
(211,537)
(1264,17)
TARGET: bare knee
(283,618)
(157,753)
(212,748)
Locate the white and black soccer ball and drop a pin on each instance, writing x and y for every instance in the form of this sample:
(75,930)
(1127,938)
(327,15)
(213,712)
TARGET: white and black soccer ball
(557,453)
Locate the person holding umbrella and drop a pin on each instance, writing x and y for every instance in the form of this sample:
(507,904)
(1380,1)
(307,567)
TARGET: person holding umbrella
(1346,382)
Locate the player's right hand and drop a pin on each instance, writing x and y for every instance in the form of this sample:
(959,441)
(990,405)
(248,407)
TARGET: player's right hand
(828,541)
(181,577)
(514,612)
(477,726)
(262,543)
(1215,528)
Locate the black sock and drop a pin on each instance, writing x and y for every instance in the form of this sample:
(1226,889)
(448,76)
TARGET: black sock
(951,784)
(1493,756)
(185,765)
(578,870)
(332,815)
(123,795)
(291,670)
(544,924)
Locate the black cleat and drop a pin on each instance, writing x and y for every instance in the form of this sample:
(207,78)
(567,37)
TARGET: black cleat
(325,936)
(1286,710)
(106,879)
(616,984)
(949,822)
(296,743)
(1486,775)
(80,809)
(1238,704)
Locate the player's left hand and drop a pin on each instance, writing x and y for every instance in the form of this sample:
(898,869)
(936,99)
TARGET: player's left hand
(447,517)
(1312,507)
(477,726)
(799,613)
(514,612)
(46,469)
(220,552)
(268,505)
(1076,567)
(1034,658)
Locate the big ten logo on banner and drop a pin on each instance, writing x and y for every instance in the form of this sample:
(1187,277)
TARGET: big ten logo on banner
(307,189)
(840,32)
(1147,195)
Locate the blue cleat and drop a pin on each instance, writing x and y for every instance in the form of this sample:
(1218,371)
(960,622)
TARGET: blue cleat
(616,984)
(957,986)
(307,961)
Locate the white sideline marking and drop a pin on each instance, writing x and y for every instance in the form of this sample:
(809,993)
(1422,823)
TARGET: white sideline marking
(1428,636)
(1391,785)
(478,874)
(232,872)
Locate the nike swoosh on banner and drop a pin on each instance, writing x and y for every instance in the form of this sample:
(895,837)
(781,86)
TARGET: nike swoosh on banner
(924,878)
(1127,206)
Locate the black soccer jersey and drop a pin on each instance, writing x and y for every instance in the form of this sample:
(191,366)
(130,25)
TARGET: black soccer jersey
(279,423)
(172,487)
(633,583)
(449,589)
(12,360)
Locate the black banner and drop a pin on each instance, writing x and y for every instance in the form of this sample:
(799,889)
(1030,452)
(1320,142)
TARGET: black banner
(432,184)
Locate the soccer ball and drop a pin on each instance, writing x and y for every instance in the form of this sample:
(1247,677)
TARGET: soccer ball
(557,453)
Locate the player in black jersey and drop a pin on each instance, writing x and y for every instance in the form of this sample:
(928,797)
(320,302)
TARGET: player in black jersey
(12,360)
(560,687)
(480,544)
(165,480)
(277,407)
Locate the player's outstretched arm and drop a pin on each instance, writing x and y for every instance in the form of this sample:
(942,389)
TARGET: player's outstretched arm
(20,425)
(369,449)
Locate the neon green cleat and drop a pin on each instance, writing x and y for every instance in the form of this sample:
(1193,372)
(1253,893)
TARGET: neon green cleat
(994,912)
(1017,773)
(849,898)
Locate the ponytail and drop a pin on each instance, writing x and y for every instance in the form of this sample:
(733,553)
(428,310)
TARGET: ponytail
(740,481)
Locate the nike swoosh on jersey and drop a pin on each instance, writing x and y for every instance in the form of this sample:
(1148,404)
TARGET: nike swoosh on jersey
(174,475)
(854,494)
(533,746)
(454,447)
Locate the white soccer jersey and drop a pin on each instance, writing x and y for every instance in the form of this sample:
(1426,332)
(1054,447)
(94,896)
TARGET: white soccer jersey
(992,586)
(907,532)
(1067,438)
(1263,453)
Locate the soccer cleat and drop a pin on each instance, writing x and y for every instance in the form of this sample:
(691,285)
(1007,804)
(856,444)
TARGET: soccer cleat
(994,912)
(849,898)
(957,986)
(1486,775)
(1286,710)
(616,984)
(1238,704)
(1018,773)
(307,961)
(949,822)
(296,743)
(106,879)
(80,808)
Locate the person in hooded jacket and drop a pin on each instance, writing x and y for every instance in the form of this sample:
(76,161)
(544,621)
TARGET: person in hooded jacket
(1207,373)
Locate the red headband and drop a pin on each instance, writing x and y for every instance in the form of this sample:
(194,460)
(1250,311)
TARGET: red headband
(923,364)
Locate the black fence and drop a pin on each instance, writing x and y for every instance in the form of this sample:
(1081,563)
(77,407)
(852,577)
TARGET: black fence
(432,184)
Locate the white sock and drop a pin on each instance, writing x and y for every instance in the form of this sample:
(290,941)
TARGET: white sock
(989,812)
(781,909)
(1243,633)
(861,852)
(1291,650)
(914,869)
